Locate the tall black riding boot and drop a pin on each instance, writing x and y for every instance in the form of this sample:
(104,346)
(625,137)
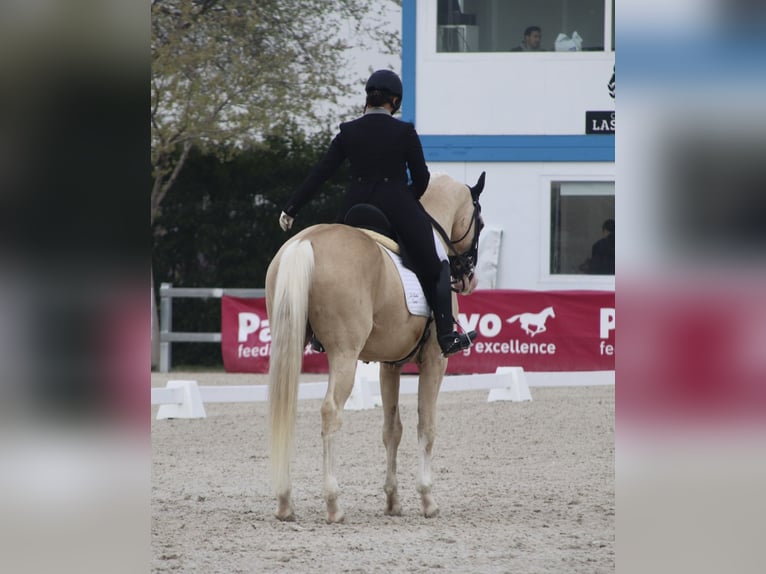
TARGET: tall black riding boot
(450,340)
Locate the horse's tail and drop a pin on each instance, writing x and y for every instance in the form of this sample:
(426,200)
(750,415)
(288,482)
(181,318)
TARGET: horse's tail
(512,319)
(288,331)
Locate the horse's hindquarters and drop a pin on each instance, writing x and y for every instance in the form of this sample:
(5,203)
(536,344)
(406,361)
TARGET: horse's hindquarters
(357,303)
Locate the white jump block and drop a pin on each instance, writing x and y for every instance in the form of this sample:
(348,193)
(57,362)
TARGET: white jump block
(361,396)
(517,388)
(187,401)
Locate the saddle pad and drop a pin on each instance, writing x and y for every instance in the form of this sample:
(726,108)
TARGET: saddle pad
(413,292)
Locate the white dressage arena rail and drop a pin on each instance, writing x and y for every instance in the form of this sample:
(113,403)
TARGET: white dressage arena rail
(185,399)
(168,336)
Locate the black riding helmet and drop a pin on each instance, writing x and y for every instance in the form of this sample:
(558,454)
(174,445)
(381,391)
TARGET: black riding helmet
(387,82)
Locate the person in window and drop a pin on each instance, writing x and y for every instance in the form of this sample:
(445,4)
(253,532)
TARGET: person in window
(533,35)
(601,261)
(380,149)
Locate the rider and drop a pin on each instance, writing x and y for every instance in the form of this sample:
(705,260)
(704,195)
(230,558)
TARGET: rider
(380,149)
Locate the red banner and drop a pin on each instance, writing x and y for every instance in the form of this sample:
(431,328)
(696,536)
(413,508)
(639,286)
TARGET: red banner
(536,330)
(246,338)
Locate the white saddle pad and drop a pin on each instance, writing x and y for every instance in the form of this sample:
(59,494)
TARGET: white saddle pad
(413,292)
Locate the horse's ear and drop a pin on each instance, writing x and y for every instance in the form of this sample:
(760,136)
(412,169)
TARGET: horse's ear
(479,187)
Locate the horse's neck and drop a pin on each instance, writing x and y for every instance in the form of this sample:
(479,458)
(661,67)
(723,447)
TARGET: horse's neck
(441,210)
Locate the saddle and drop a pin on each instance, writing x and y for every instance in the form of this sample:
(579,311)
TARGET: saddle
(367,216)
(373,222)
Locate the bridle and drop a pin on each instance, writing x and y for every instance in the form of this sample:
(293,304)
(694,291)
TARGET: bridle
(463,264)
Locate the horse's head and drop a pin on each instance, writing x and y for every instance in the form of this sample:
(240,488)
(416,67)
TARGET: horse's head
(467,228)
(462,237)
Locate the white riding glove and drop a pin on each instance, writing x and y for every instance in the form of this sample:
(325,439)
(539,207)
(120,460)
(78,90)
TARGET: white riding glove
(285,221)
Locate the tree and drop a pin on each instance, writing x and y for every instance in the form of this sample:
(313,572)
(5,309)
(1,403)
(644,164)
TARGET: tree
(228,72)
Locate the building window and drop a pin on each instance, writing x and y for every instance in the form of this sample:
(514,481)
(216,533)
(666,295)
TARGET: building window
(499,25)
(582,228)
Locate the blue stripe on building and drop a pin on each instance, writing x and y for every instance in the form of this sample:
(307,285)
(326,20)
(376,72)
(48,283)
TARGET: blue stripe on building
(476,148)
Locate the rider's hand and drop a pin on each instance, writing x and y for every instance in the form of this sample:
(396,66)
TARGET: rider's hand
(285,221)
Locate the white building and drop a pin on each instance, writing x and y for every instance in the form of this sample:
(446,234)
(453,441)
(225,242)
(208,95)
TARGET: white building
(521,117)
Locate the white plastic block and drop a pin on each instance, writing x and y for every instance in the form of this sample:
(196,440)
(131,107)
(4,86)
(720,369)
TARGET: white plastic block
(361,397)
(190,407)
(517,388)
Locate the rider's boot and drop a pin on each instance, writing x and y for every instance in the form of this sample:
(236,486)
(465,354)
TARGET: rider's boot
(316,344)
(450,340)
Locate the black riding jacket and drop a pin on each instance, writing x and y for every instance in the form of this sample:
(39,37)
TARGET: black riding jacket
(380,148)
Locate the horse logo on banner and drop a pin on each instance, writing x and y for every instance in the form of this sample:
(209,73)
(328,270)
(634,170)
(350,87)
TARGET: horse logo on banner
(537,320)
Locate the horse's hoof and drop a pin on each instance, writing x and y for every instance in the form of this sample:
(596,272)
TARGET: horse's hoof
(285,511)
(395,510)
(431,512)
(336,518)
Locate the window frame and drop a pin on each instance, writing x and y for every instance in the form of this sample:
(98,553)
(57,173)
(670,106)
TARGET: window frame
(544,256)
(431,41)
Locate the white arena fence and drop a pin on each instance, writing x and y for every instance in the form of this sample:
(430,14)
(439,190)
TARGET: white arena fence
(168,336)
(185,399)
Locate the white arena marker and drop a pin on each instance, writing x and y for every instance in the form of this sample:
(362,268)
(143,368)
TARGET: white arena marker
(361,396)
(517,388)
(190,407)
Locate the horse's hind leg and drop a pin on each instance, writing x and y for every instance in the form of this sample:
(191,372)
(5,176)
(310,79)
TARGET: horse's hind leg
(339,386)
(392,433)
(431,375)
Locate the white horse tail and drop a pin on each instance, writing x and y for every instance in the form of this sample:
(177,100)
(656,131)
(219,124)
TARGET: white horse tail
(512,319)
(288,332)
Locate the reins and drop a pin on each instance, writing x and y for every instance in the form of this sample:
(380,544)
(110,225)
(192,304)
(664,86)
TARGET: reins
(462,264)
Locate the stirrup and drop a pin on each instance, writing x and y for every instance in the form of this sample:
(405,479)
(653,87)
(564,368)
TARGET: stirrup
(454,342)
(316,345)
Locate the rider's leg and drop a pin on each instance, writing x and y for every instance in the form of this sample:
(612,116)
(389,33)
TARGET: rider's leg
(439,297)
(416,235)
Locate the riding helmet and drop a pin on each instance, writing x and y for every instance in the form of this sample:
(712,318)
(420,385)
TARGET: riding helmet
(385,81)
(388,83)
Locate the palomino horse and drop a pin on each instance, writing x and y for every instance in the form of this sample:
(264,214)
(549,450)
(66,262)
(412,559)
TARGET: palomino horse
(536,319)
(338,282)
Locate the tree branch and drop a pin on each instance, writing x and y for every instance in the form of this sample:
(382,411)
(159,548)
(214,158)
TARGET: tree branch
(162,186)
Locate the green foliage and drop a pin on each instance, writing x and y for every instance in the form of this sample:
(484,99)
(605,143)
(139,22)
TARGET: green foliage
(226,72)
(218,225)
(224,75)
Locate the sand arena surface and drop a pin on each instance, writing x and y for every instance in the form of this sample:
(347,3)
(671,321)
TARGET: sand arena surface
(522,487)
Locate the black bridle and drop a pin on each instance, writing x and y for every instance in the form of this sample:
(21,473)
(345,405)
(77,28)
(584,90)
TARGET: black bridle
(463,264)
